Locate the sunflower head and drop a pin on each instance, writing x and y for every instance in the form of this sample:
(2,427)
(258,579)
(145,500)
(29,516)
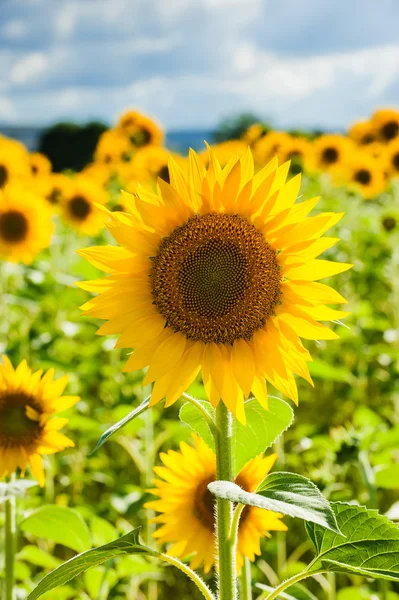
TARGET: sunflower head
(274,143)
(14,162)
(79,205)
(149,163)
(298,150)
(112,147)
(331,152)
(140,129)
(254,133)
(365,174)
(39,164)
(25,223)
(362,133)
(217,273)
(187,507)
(392,158)
(28,429)
(385,123)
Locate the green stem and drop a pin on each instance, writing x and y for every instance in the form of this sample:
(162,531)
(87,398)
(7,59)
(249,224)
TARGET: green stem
(204,412)
(369,478)
(201,585)
(286,584)
(227,579)
(10,543)
(246,580)
(152,586)
(281,553)
(332,592)
(384,588)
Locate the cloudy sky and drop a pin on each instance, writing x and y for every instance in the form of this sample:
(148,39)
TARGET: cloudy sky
(192,62)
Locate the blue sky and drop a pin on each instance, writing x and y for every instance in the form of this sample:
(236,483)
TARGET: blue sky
(191,62)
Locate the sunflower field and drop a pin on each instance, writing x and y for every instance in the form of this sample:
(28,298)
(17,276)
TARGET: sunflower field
(193,403)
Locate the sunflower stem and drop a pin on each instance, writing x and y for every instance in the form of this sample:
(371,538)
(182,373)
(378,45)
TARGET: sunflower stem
(10,543)
(286,584)
(246,580)
(201,585)
(227,580)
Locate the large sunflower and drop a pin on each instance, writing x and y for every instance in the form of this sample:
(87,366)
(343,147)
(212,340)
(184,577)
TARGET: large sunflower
(218,273)
(25,224)
(188,508)
(385,123)
(28,402)
(140,129)
(80,205)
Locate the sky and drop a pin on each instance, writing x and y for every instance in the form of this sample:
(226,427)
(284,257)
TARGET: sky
(190,63)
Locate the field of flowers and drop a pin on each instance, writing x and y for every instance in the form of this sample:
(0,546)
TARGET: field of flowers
(67,387)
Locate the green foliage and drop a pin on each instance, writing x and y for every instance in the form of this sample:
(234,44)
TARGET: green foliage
(285,493)
(59,524)
(70,146)
(368,546)
(232,128)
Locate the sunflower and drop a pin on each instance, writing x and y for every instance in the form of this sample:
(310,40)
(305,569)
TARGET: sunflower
(299,151)
(112,146)
(53,187)
(140,129)
(14,163)
(254,133)
(79,205)
(271,145)
(151,162)
(392,158)
(385,123)
(362,132)
(366,175)
(224,152)
(187,507)
(217,273)
(28,402)
(25,224)
(39,164)
(330,152)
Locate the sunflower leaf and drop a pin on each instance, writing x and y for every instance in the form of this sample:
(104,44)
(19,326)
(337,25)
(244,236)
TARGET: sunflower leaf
(128,544)
(114,428)
(285,493)
(368,546)
(263,427)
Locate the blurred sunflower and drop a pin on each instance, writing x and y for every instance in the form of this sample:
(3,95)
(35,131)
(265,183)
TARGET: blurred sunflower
(254,133)
(217,273)
(187,507)
(39,164)
(330,152)
(366,174)
(362,132)
(52,187)
(151,162)
(224,152)
(298,151)
(28,402)
(271,145)
(392,158)
(140,129)
(79,205)
(112,147)
(14,164)
(385,123)
(25,224)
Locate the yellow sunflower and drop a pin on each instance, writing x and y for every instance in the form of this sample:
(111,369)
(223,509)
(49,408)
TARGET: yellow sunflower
(299,151)
(224,151)
(151,162)
(25,224)
(14,164)
(330,152)
(39,164)
(362,132)
(271,145)
(53,187)
(385,123)
(217,273)
(366,175)
(254,133)
(28,402)
(187,507)
(112,147)
(392,158)
(140,129)
(79,205)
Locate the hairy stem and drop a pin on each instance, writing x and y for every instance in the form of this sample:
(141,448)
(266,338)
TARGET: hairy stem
(286,584)
(201,585)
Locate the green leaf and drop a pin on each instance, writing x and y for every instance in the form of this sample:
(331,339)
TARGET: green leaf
(388,477)
(369,544)
(294,592)
(132,415)
(128,544)
(15,488)
(59,524)
(263,427)
(286,493)
(37,556)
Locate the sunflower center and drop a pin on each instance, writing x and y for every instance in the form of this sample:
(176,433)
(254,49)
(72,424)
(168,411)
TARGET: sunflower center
(34,169)
(54,196)
(163,173)
(368,138)
(330,155)
(216,279)
(79,207)
(13,226)
(16,428)
(395,161)
(204,504)
(363,176)
(390,130)
(140,138)
(3,176)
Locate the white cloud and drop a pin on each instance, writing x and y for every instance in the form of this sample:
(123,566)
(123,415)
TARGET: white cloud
(7,109)
(29,68)
(14,29)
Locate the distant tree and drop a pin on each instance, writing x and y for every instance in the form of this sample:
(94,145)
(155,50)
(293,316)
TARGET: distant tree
(70,146)
(232,128)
